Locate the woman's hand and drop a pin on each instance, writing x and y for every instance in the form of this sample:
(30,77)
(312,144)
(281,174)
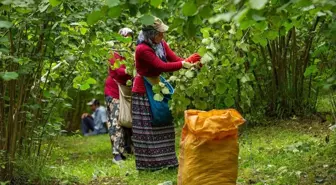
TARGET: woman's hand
(194,58)
(198,64)
(187,65)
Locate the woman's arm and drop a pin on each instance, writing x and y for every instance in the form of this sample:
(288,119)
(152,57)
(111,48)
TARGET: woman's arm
(121,71)
(147,56)
(171,56)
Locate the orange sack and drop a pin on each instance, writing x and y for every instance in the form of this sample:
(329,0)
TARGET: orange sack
(209,148)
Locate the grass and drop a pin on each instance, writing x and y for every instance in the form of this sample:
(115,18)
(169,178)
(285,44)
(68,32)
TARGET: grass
(89,160)
(287,152)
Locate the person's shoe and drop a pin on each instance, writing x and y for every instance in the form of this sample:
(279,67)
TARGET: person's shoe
(117,159)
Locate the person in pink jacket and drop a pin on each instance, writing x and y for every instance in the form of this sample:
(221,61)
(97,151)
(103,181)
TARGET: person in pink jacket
(120,136)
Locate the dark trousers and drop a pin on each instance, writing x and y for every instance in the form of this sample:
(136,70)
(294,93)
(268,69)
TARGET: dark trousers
(87,125)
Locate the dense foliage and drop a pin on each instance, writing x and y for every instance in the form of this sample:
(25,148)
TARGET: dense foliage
(269,58)
(272,57)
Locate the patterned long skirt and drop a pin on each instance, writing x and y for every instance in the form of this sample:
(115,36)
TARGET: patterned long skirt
(120,136)
(154,146)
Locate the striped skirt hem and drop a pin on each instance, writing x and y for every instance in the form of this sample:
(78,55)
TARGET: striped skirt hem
(154,146)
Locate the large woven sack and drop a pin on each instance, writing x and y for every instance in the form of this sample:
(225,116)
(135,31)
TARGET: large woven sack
(125,106)
(209,148)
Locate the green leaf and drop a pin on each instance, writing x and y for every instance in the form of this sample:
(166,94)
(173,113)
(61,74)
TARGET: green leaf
(46,94)
(4,50)
(240,15)
(271,35)
(94,17)
(112,3)
(129,82)
(246,24)
(207,57)
(243,46)
(258,4)
(199,104)
(147,20)
(44,7)
(4,39)
(54,3)
(311,70)
(156,3)
(156,88)
(158,97)
(84,87)
(91,81)
(189,8)
(173,78)
(258,18)
(114,12)
(165,90)
(83,30)
(162,84)
(202,50)
(189,74)
(245,79)
(206,12)
(5,24)
(229,101)
(7,76)
(220,87)
(221,17)
(259,39)
(261,25)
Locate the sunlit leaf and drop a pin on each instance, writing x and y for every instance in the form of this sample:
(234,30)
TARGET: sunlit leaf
(221,17)
(155,3)
(162,84)
(91,81)
(84,87)
(54,3)
(158,97)
(129,83)
(258,4)
(202,50)
(189,74)
(156,88)
(165,90)
(240,15)
(112,3)
(173,78)
(258,17)
(83,31)
(44,7)
(311,70)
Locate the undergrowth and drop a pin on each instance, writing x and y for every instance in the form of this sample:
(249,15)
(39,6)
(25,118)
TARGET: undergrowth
(291,152)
